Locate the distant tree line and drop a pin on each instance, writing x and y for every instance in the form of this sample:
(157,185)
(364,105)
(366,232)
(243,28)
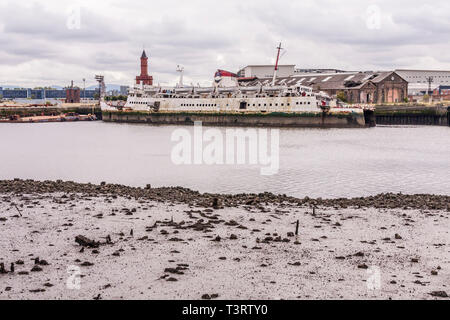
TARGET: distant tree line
(116,98)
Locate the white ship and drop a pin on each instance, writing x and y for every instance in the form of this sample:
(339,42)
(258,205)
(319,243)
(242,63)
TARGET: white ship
(226,95)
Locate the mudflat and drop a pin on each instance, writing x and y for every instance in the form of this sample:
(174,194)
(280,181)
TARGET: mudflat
(63,240)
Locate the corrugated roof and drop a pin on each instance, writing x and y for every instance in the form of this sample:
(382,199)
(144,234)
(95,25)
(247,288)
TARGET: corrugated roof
(336,81)
(415,70)
(269,65)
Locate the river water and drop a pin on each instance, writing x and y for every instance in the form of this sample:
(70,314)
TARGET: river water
(313,162)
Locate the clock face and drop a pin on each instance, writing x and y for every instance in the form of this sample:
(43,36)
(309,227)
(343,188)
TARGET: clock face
(393,78)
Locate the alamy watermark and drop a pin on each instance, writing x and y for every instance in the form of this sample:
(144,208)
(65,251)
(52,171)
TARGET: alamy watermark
(74,280)
(73,21)
(374,278)
(373,17)
(237,146)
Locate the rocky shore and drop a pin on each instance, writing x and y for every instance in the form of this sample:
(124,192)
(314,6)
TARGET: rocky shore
(66,240)
(190,197)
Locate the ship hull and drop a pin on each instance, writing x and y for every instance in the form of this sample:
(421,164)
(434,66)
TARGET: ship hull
(276,119)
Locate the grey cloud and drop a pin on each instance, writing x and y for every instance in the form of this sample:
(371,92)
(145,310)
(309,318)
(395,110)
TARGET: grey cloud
(37,21)
(36,45)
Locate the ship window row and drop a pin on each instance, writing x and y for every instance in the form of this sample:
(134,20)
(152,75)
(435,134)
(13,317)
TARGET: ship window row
(199,105)
(254,105)
(282,104)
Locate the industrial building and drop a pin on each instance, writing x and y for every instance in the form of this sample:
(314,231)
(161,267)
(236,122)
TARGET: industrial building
(303,71)
(423,79)
(73,94)
(442,90)
(359,87)
(41,94)
(124,90)
(266,71)
(355,87)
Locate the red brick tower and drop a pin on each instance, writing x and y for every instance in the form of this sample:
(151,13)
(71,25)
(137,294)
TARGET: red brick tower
(144,77)
(72,94)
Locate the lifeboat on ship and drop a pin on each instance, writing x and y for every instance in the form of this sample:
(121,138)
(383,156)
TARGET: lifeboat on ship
(184,90)
(204,90)
(250,89)
(228,89)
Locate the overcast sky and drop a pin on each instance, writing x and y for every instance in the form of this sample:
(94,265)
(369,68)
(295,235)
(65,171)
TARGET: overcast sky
(52,42)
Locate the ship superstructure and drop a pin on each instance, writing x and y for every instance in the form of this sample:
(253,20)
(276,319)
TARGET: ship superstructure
(228,99)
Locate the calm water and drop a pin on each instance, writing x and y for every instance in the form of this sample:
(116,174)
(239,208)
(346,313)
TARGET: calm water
(313,162)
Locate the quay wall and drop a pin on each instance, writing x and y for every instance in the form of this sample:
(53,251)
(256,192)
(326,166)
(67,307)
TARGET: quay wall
(250,120)
(50,110)
(412,115)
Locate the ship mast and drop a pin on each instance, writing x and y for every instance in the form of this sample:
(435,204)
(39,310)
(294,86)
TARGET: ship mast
(276,65)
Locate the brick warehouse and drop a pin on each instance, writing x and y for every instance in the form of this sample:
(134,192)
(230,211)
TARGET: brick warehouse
(357,87)
(73,94)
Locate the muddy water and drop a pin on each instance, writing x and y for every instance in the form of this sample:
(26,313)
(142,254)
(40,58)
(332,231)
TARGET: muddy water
(313,162)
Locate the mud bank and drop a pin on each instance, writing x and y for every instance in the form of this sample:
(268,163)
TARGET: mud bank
(82,241)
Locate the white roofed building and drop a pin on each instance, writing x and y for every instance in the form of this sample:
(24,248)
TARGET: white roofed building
(266,71)
(419,79)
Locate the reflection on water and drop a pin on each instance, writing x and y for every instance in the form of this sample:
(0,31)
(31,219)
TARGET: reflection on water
(313,162)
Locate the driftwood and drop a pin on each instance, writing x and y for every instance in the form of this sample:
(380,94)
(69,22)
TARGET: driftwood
(86,242)
(20,213)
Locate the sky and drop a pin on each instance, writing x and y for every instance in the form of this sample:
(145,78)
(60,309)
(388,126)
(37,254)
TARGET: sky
(51,42)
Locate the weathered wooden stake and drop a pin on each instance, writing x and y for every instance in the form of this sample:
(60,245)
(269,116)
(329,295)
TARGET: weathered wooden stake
(215,203)
(296,228)
(20,213)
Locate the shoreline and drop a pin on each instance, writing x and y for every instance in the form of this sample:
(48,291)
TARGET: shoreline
(65,240)
(192,197)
